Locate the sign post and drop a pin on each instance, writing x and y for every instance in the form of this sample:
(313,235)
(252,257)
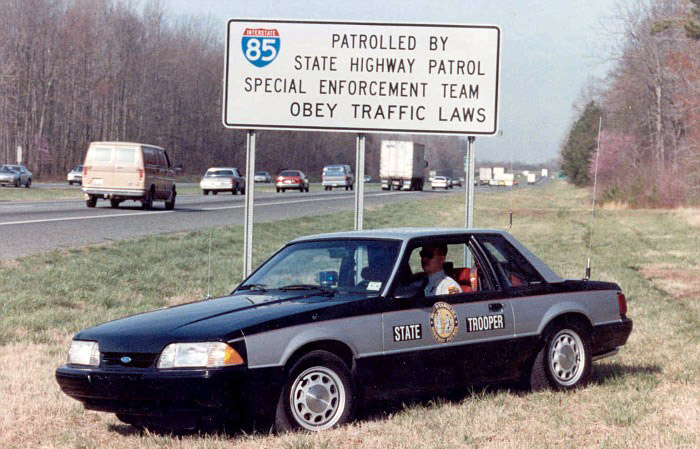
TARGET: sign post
(248,207)
(359,77)
(469,195)
(359,181)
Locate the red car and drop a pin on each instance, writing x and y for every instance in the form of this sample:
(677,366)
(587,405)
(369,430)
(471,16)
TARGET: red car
(292,179)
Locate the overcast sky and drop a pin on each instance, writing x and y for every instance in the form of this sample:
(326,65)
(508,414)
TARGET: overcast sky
(550,49)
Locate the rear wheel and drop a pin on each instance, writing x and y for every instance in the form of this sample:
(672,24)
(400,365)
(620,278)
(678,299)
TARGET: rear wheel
(214,192)
(206,192)
(170,205)
(147,202)
(234,191)
(564,362)
(29,183)
(114,203)
(91,201)
(318,394)
(278,190)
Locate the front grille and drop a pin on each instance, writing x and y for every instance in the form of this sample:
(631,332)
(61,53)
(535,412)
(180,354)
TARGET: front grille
(138,360)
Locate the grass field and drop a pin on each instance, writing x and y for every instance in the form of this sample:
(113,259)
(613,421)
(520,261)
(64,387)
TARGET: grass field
(646,397)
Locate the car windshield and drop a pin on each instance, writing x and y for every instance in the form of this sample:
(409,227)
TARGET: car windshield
(211,173)
(289,173)
(8,169)
(78,168)
(341,266)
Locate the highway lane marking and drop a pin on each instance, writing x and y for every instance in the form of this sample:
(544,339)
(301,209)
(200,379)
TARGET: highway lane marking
(90,217)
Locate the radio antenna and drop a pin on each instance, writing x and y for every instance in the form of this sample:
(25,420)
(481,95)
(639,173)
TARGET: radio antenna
(512,184)
(595,185)
(209,268)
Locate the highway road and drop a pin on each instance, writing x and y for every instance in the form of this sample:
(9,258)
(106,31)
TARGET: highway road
(33,227)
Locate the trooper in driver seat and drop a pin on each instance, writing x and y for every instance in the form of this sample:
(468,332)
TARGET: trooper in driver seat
(432,258)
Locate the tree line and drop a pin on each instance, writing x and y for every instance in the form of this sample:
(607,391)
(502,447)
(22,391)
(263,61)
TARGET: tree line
(76,71)
(650,110)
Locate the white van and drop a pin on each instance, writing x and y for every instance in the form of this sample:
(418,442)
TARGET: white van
(120,171)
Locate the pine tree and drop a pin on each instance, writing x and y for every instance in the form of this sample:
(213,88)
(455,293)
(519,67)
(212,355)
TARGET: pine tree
(580,145)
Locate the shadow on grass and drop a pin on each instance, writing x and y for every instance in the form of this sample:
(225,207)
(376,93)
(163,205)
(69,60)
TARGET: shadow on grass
(608,373)
(377,410)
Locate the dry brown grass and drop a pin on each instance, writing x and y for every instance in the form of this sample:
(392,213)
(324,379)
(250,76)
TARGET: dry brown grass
(677,282)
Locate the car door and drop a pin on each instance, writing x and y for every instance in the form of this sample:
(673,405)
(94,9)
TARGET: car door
(449,339)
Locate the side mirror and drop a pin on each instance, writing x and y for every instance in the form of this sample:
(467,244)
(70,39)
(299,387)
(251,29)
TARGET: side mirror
(408,292)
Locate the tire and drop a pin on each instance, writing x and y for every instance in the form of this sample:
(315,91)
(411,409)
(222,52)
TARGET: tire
(242,191)
(278,189)
(170,205)
(206,192)
(29,183)
(70,183)
(18,183)
(114,203)
(147,202)
(307,189)
(564,362)
(214,192)
(329,378)
(234,191)
(91,201)
(301,188)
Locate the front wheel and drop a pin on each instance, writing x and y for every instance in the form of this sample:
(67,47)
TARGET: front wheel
(318,394)
(29,183)
(91,201)
(114,203)
(564,362)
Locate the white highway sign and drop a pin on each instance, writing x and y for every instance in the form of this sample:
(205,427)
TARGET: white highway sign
(362,77)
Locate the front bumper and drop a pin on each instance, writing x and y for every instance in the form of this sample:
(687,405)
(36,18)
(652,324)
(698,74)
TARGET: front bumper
(159,392)
(284,185)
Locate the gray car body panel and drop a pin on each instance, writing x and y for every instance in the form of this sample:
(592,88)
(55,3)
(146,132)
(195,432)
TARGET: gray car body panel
(373,335)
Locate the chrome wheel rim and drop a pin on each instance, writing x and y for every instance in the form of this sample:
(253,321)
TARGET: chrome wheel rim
(566,357)
(317,398)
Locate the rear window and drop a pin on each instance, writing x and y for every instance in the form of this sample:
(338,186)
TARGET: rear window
(219,173)
(334,169)
(126,155)
(290,173)
(261,173)
(101,154)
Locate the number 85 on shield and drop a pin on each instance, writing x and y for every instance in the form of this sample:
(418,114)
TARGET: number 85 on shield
(260,46)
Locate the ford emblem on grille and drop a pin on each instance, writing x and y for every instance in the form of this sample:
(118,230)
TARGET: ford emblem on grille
(125,359)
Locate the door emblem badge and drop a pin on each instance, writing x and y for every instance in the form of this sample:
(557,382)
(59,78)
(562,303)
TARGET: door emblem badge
(443,322)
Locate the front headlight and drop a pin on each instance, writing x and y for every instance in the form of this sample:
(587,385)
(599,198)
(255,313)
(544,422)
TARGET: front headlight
(198,355)
(84,353)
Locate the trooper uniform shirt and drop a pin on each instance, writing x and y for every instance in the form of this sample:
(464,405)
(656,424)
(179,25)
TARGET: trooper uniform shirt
(441,284)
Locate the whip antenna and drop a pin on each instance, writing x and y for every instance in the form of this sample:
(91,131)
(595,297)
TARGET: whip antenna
(209,268)
(595,185)
(512,184)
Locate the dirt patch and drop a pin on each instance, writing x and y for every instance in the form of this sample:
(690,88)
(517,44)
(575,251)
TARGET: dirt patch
(11,263)
(679,283)
(692,216)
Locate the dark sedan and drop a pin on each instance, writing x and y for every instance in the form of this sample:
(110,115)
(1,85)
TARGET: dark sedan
(333,318)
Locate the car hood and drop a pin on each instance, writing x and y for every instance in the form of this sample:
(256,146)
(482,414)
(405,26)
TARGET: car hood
(214,319)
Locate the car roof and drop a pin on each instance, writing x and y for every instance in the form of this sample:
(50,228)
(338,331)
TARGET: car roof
(405,234)
(114,143)
(222,168)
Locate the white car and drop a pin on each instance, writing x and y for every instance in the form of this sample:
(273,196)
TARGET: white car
(262,176)
(75,175)
(222,179)
(440,182)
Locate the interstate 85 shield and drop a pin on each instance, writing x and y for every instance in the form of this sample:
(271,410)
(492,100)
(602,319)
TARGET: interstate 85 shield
(260,46)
